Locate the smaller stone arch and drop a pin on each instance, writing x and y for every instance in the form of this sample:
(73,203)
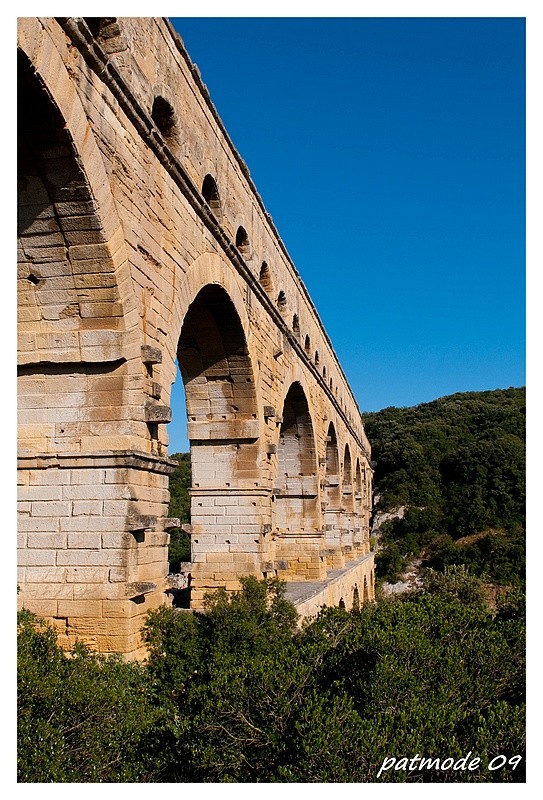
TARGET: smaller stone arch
(210,193)
(324,373)
(356,598)
(282,304)
(164,117)
(242,242)
(307,344)
(332,501)
(358,508)
(265,278)
(317,357)
(104,29)
(347,523)
(296,324)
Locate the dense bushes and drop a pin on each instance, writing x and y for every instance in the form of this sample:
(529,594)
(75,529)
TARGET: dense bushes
(84,718)
(240,694)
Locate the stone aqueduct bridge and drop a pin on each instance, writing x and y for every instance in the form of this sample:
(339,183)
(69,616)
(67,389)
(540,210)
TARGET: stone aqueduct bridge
(142,241)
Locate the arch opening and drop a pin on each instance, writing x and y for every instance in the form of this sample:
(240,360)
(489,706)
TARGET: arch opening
(222,428)
(265,278)
(210,193)
(103,27)
(59,209)
(242,242)
(356,598)
(296,495)
(164,117)
(347,471)
(282,302)
(217,374)
(332,500)
(332,470)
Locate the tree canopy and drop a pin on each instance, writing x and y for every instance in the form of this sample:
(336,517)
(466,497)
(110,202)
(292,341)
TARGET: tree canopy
(241,694)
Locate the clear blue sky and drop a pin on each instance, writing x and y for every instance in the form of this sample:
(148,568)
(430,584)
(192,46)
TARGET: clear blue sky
(390,153)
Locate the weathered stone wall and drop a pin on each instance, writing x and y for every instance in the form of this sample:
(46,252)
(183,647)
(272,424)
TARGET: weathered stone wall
(143,241)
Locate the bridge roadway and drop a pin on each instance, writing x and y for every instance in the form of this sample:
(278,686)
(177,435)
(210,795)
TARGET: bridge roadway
(143,244)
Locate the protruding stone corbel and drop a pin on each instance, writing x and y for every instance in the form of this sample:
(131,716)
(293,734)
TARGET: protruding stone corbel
(141,522)
(171,522)
(177,580)
(158,414)
(269,411)
(151,355)
(140,587)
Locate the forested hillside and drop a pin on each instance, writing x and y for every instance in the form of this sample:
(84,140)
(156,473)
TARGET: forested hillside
(180,483)
(457,467)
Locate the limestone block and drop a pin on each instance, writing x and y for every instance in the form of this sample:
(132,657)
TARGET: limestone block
(45,574)
(88,508)
(47,541)
(90,558)
(151,355)
(139,522)
(117,575)
(230,430)
(41,607)
(48,591)
(119,540)
(87,541)
(85,575)
(36,557)
(79,608)
(51,509)
(87,524)
(158,414)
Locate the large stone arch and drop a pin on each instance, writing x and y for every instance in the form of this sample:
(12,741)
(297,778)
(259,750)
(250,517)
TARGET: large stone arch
(77,326)
(223,430)
(296,519)
(69,212)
